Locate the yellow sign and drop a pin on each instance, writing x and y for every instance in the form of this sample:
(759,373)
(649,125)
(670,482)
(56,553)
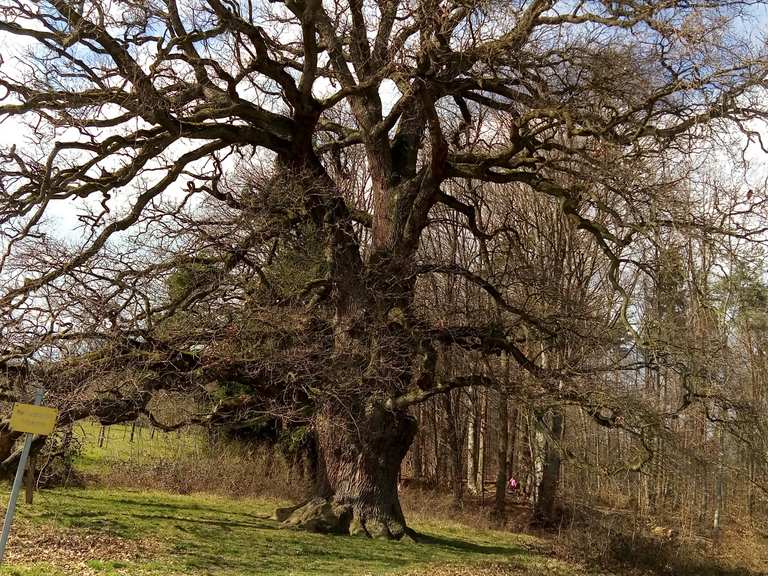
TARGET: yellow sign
(33,419)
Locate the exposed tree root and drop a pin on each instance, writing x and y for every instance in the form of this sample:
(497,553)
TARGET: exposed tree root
(326,516)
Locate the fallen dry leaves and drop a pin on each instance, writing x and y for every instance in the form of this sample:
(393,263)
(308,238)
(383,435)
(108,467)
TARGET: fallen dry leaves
(487,570)
(71,549)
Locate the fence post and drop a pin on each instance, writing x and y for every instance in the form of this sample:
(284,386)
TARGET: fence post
(30,480)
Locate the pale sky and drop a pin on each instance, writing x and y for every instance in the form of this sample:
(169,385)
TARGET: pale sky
(63,214)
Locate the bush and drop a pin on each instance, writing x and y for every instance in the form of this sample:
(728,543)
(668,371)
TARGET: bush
(55,462)
(622,541)
(227,468)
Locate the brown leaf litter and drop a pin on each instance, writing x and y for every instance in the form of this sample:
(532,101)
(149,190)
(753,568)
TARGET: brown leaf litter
(70,549)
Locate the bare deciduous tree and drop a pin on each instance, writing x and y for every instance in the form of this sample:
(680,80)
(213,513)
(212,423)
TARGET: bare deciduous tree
(264,189)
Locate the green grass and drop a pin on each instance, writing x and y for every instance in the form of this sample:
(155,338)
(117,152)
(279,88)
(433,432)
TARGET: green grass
(118,447)
(197,535)
(205,535)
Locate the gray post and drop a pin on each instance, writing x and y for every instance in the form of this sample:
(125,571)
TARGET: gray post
(17,484)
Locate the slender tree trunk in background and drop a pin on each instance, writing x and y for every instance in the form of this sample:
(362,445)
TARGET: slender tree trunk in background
(750,487)
(586,473)
(472,444)
(444,480)
(501,458)
(544,514)
(457,485)
(533,437)
(719,481)
(482,424)
(656,502)
(416,452)
(512,459)
(643,495)
(717,518)
(702,480)
(437,472)
(598,460)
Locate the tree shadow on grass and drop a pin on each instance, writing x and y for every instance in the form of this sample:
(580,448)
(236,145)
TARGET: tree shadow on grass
(100,519)
(294,551)
(181,506)
(210,521)
(469,547)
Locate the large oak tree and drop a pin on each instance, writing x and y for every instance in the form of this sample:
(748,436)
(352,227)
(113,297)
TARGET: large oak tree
(256,181)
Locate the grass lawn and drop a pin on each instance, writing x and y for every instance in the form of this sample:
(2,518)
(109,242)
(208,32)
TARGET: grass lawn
(113,532)
(118,446)
(120,532)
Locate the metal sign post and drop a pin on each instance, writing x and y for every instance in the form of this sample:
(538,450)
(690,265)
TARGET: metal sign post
(20,470)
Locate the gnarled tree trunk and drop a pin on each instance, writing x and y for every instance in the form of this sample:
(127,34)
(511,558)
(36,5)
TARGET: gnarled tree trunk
(361,447)
(361,440)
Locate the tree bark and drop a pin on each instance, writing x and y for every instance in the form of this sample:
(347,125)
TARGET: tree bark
(717,520)
(472,444)
(501,459)
(457,485)
(416,453)
(512,457)
(544,514)
(361,442)
(361,448)
(481,438)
